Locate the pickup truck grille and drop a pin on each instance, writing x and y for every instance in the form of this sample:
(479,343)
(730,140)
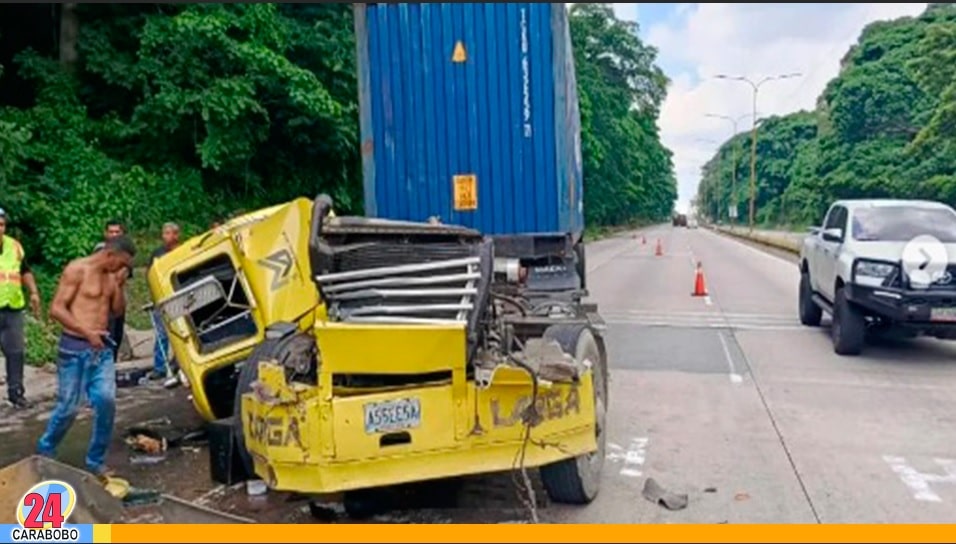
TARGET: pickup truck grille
(406,283)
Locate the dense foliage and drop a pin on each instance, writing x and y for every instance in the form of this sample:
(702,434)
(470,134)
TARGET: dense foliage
(194,112)
(885,127)
(628,173)
(156,112)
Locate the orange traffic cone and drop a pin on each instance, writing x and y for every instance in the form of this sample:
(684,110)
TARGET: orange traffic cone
(700,288)
(659,250)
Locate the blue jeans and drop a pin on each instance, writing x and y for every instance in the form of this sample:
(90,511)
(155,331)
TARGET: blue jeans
(161,354)
(83,372)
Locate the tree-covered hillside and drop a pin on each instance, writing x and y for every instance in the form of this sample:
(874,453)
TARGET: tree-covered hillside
(885,127)
(191,112)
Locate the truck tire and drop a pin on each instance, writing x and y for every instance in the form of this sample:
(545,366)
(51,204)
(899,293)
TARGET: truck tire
(577,480)
(849,326)
(810,313)
(278,349)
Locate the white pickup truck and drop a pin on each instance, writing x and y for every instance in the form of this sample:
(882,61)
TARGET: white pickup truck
(881,267)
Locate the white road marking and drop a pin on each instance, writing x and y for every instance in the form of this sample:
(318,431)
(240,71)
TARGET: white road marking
(633,457)
(709,323)
(707,301)
(734,377)
(919,482)
(724,326)
(764,317)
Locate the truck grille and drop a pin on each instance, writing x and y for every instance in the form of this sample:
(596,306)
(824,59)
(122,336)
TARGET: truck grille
(405,283)
(379,254)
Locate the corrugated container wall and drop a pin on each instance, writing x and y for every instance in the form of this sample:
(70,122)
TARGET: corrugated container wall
(469,112)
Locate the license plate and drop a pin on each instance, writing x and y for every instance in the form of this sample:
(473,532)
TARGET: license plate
(392,415)
(942,314)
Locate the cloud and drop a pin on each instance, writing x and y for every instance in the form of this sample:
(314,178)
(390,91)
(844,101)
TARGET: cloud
(699,41)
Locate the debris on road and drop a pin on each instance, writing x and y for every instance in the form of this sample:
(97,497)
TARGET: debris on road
(142,440)
(741,497)
(256,487)
(660,496)
(150,446)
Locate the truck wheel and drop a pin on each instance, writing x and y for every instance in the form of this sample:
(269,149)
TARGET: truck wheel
(849,326)
(810,313)
(577,480)
(272,349)
(363,504)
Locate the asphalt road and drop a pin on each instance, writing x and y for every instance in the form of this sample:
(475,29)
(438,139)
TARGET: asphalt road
(726,398)
(729,399)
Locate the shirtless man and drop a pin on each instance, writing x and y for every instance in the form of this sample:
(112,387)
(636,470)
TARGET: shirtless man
(88,292)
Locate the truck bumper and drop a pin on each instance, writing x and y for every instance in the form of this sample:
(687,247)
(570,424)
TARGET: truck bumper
(920,309)
(307,442)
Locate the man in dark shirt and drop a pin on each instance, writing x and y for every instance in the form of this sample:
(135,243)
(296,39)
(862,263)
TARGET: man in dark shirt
(117,323)
(15,273)
(161,355)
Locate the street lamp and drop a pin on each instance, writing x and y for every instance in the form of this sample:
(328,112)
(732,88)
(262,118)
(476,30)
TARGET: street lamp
(733,167)
(753,132)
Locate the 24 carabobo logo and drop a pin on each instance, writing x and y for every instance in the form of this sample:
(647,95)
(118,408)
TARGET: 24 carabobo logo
(43,511)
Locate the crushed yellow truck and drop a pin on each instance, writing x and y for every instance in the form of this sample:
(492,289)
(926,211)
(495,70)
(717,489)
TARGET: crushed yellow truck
(355,353)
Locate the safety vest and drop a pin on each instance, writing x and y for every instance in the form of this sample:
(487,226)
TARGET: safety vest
(11,286)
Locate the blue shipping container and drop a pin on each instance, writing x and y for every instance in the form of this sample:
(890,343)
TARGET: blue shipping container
(469,112)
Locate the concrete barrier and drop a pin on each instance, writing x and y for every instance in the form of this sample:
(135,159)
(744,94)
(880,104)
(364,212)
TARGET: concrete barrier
(789,242)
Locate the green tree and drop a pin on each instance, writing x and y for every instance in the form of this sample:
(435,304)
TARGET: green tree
(884,127)
(628,173)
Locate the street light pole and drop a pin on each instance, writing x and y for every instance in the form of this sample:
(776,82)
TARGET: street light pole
(753,131)
(733,151)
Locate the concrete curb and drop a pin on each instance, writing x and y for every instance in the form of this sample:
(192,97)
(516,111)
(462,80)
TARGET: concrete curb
(776,242)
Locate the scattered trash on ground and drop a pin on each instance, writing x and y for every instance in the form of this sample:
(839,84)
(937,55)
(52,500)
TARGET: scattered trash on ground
(150,446)
(710,490)
(256,487)
(146,441)
(132,378)
(741,497)
(660,496)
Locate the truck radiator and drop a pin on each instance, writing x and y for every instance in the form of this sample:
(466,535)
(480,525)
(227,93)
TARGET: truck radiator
(424,284)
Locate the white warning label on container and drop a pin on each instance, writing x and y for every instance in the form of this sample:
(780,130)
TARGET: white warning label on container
(525,75)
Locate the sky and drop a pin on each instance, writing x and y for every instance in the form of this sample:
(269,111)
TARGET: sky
(696,42)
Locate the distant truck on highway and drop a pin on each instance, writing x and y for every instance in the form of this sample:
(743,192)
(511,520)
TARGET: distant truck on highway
(881,267)
(680,220)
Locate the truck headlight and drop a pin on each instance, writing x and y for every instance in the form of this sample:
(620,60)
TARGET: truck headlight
(873,273)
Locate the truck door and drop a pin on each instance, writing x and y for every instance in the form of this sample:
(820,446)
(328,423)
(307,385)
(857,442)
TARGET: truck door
(830,252)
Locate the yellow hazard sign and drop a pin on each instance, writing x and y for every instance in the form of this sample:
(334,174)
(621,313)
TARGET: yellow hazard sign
(465,192)
(459,55)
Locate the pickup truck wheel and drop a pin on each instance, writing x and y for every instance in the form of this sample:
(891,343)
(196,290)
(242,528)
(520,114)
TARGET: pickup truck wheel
(577,480)
(810,313)
(849,326)
(272,349)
